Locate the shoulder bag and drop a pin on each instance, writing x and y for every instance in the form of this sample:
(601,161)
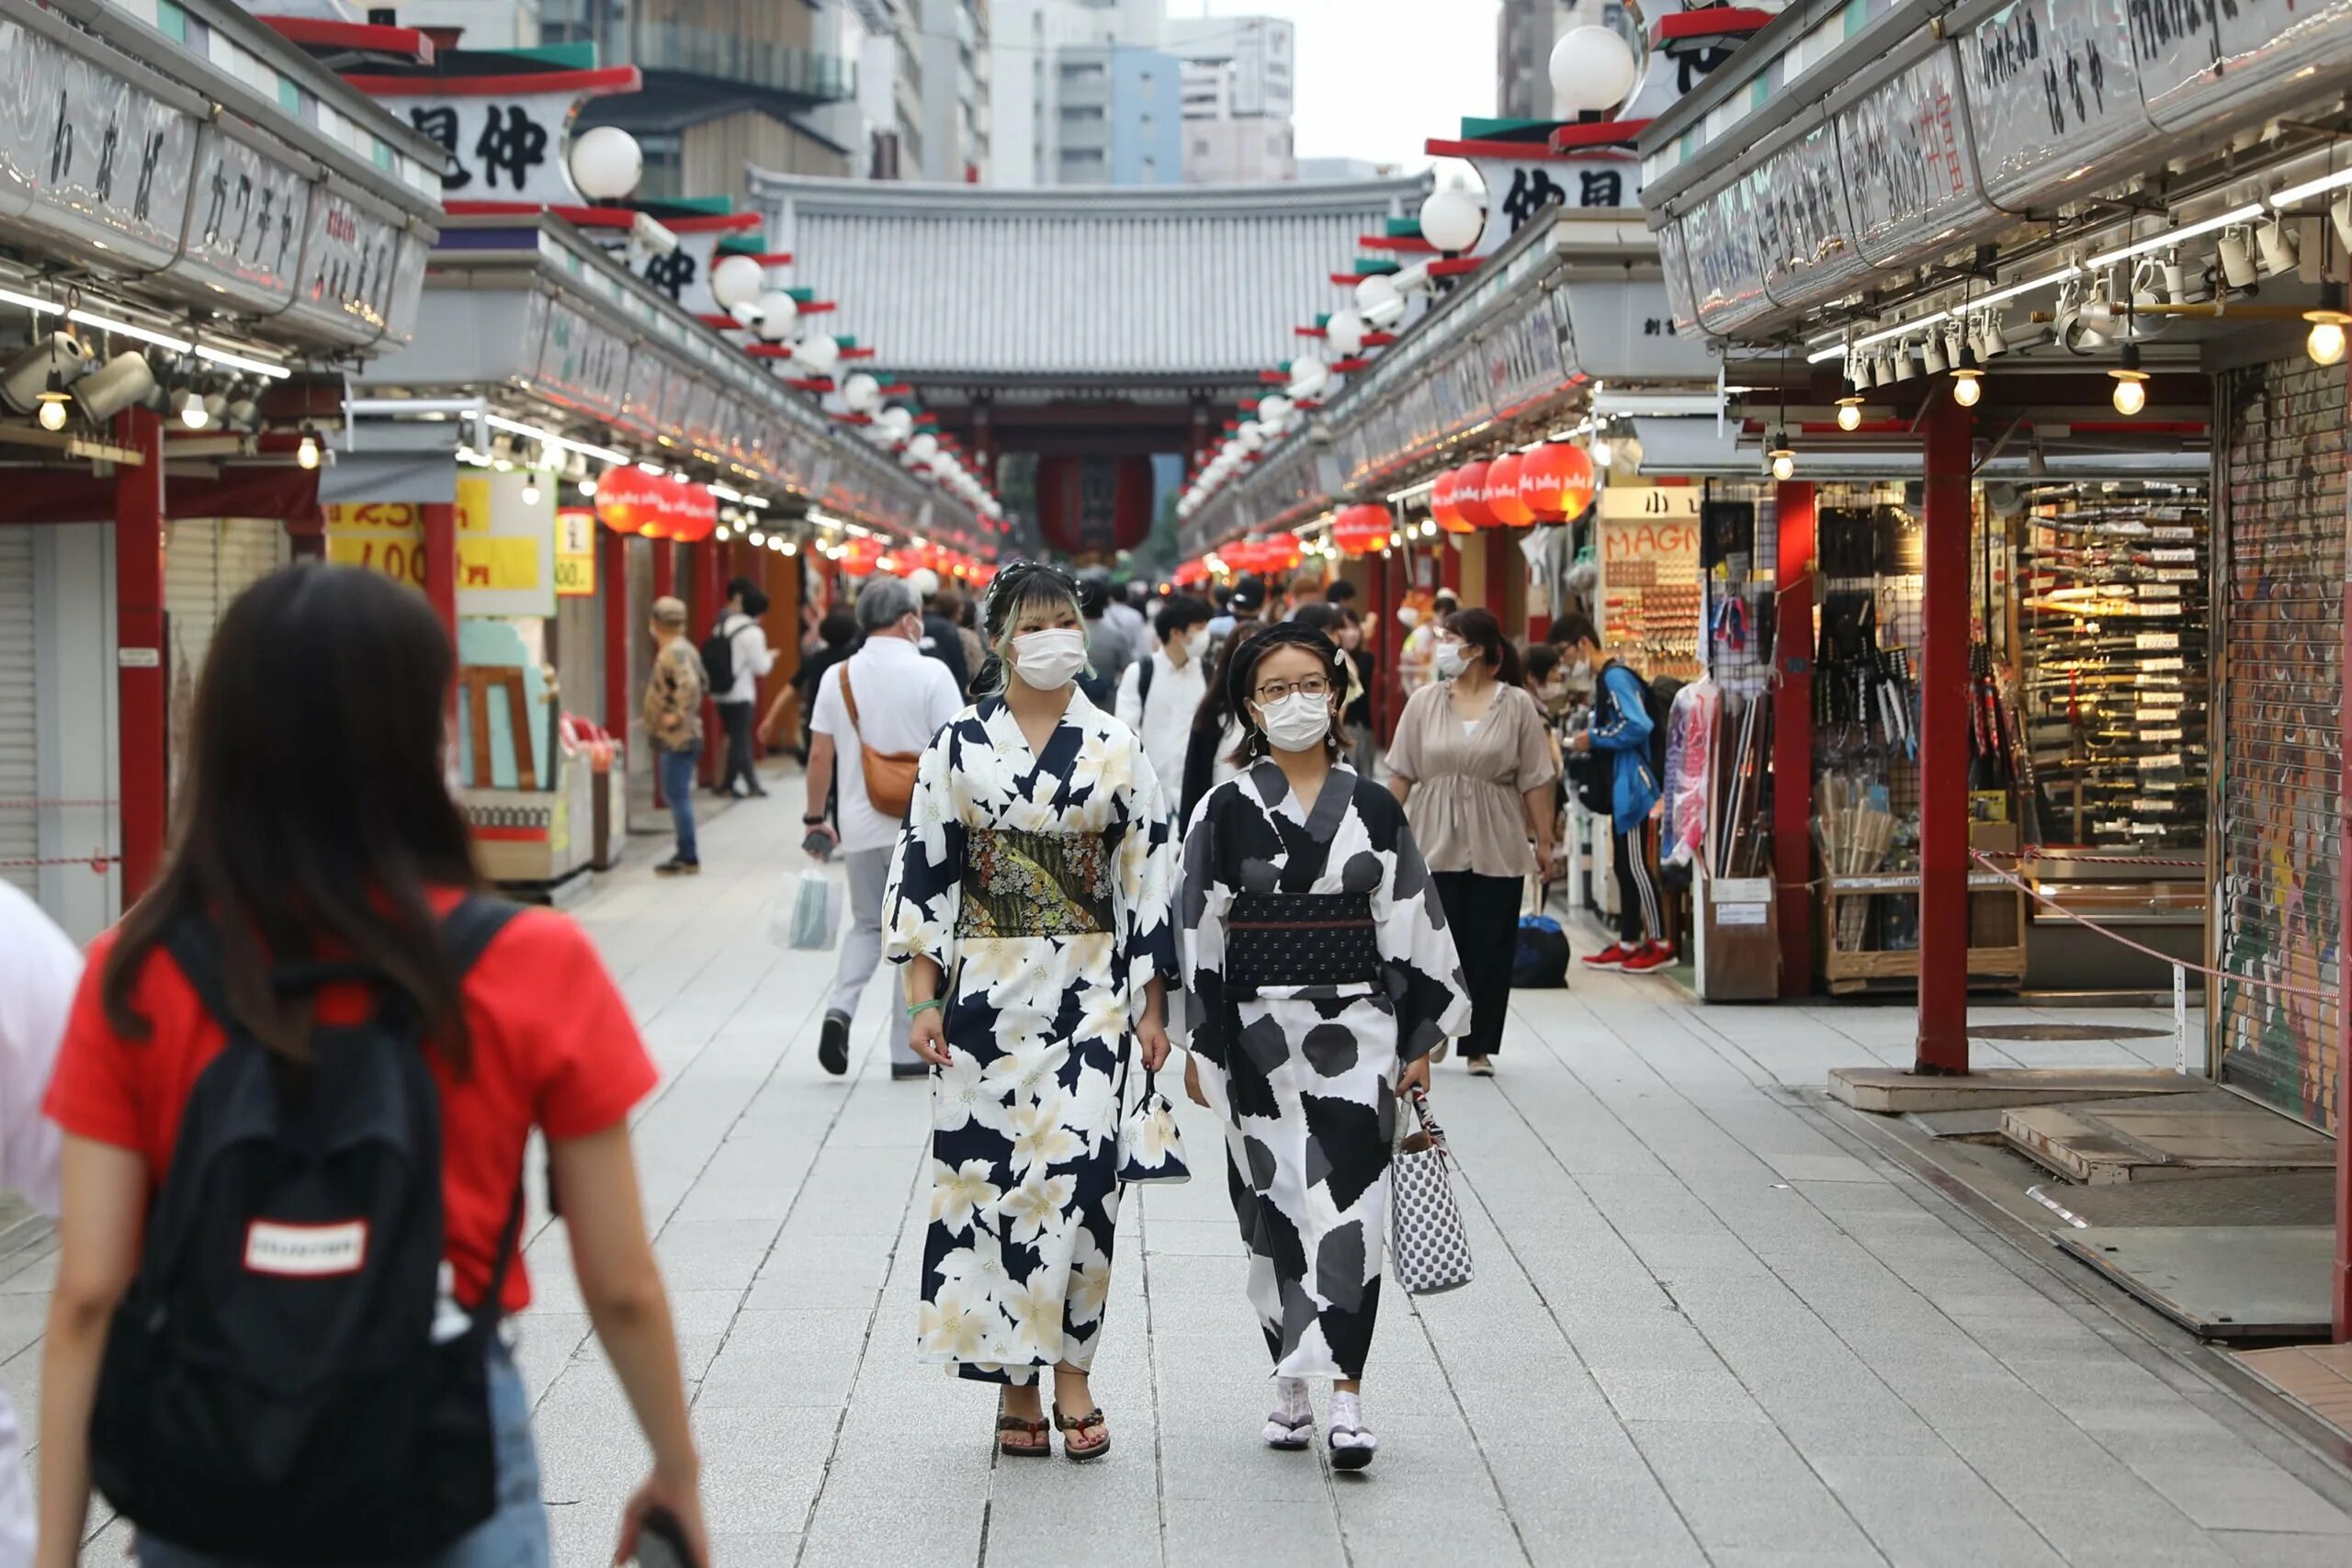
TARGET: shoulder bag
(1426,1237)
(889,775)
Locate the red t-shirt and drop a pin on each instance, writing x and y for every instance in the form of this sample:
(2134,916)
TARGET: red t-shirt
(552,1047)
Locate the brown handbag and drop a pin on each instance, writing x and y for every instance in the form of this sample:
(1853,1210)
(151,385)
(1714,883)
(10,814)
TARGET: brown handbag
(889,775)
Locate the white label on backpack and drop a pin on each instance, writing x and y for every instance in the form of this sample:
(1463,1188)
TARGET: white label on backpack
(305,1252)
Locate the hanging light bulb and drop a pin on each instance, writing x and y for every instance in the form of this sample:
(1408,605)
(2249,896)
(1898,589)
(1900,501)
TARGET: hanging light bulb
(306,456)
(1784,457)
(530,489)
(53,398)
(1966,377)
(2328,320)
(1849,407)
(2130,383)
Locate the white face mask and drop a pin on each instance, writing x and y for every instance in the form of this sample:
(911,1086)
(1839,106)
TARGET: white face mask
(1449,660)
(1298,722)
(1049,659)
(1583,672)
(1198,640)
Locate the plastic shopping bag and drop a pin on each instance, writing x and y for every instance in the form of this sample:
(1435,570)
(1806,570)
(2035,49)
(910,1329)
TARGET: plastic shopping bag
(807,912)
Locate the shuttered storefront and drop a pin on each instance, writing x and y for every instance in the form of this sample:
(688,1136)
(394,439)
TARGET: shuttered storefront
(19,713)
(207,561)
(2277,915)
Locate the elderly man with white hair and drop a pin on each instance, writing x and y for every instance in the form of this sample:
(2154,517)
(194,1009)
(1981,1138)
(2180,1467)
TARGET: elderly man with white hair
(874,712)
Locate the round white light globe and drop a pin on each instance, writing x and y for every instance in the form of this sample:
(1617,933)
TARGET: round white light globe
(862,393)
(1345,331)
(924,580)
(1373,292)
(1452,218)
(1273,409)
(1309,378)
(896,423)
(737,281)
(1251,434)
(819,355)
(922,448)
(1593,68)
(606,162)
(778,312)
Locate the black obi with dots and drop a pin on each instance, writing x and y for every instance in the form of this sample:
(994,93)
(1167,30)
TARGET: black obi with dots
(1300,939)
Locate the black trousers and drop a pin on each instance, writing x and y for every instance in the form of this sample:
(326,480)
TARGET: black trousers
(1483,913)
(737,718)
(1637,916)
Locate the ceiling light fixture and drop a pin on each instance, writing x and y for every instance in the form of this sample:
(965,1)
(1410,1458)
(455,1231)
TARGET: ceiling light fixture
(2174,236)
(2130,383)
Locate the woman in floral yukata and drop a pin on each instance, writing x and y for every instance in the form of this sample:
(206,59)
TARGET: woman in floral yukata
(1029,898)
(1321,978)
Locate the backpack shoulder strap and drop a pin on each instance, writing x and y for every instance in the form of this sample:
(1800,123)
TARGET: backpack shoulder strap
(1143,685)
(196,948)
(469,928)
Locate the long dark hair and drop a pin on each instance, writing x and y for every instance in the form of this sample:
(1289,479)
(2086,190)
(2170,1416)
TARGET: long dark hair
(1479,629)
(1241,677)
(314,816)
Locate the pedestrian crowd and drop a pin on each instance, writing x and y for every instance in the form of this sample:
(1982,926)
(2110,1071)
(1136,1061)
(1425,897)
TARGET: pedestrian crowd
(283,1108)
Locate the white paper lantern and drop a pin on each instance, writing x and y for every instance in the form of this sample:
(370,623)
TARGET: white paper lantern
(1345,332)
(1452,218)
(862,393)
(1273,409)
(1252,435)
(778,312)
(606,162)
(1593,68)
(737,281)
(922,447)
(1374,292)
(819,356)
(896,423)
(1309,378)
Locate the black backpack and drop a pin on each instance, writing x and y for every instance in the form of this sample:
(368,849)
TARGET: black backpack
(272,1390)
(1593,773)
(718,655)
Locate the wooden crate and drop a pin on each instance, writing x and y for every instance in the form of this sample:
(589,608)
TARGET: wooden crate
(1996,933)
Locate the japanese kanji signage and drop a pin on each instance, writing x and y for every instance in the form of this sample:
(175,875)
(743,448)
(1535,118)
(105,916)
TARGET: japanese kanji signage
(582,363)
(576,553)
(1805,226)
(1517,190)
(1905,148)
(502,148)
(349,255)
(89,157)
(2052,88)
(246,222)
(2201,64)
(1720,244)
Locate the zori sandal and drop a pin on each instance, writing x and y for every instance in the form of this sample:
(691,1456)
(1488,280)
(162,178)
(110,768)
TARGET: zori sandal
(1036,1441)
(1290,1424)
(1080,1453)
(1353,1444)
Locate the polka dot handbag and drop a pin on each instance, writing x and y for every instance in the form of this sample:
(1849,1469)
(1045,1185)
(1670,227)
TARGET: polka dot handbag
(1426,1238)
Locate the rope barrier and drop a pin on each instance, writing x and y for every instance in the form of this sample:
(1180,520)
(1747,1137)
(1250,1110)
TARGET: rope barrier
(2084,857)
(1986,861)
(98,862)
(38,805)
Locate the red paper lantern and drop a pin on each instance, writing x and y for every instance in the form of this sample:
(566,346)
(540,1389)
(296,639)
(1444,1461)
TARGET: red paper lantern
(1470,497)
(1359,530)
(1445,502)
(1557,481)
(1280,552)
(1503,498)
(862,557)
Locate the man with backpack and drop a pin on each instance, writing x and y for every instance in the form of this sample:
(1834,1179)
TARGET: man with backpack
(1627,729)
(880,707)
(735,657)
(1160,695)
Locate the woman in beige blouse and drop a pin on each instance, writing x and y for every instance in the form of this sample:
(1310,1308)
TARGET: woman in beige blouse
(1472,762)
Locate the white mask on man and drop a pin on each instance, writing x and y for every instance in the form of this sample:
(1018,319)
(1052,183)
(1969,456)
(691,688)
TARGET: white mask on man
(1196,642)
(1049,659)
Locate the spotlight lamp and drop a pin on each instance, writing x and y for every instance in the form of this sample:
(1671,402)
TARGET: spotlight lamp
(2328,319)
(1931,354)
(2236,255)
(2130,383)
(1906,367)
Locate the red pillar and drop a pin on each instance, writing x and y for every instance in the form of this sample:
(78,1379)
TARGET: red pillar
(1792,738)
(144,788)
(441,563)
(1943,745)
(612,583)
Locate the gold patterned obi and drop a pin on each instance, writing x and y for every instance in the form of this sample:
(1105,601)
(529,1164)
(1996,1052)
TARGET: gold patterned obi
(1019,883)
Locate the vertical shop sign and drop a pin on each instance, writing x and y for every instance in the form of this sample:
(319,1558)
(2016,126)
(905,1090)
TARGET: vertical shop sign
(2053,92)
(1908,158)
(88,156)
(245,223)
(576,553)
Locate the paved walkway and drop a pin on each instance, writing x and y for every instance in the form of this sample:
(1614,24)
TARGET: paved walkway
(1709,1325)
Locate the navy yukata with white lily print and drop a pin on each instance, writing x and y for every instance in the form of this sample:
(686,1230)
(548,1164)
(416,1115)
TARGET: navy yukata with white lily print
(1040,884)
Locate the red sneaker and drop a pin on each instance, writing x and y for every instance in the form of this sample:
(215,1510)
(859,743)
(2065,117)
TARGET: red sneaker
(1613,956)
(1656,955)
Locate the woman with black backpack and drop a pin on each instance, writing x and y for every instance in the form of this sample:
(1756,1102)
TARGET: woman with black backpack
(297,1087)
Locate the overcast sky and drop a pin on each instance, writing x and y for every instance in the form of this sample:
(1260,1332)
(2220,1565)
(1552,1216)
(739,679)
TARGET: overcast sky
(1378,78)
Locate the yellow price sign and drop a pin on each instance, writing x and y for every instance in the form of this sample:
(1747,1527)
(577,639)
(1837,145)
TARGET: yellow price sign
(380,537)
(576,553)
(501,562)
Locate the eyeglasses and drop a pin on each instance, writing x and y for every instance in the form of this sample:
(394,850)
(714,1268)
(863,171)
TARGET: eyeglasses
(1313,686)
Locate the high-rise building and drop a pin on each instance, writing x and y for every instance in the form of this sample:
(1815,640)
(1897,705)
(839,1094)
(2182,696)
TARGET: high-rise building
(1082,95)
(728,82)
(953,47)
(882,125)
(1240,88)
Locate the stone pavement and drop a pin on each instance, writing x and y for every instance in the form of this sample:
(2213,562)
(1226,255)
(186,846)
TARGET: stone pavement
(1709,1327)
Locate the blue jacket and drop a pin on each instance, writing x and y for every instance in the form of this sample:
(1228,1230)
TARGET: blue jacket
(1621,727)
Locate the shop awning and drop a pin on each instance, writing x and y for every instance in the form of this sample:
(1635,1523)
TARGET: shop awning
(220,168)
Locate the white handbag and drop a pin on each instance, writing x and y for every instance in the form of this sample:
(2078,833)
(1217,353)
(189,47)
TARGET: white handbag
(1427,1240)
(1151,1146)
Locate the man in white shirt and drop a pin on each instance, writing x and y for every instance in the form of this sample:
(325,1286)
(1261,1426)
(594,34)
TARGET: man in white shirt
(39,971)
(1158,695)
(896,700)
(750,658)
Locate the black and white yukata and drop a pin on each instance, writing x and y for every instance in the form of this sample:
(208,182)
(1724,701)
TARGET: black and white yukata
(1319,967)
(1040,885)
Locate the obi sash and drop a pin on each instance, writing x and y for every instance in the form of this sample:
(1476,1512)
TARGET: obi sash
(1300,939)
(1019,883)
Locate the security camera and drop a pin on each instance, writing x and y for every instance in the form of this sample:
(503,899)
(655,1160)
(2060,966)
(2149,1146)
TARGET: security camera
(645,233)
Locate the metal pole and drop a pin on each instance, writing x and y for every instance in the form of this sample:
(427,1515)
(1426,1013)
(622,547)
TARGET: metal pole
(143,778)
(1943,744)
(1793,735)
